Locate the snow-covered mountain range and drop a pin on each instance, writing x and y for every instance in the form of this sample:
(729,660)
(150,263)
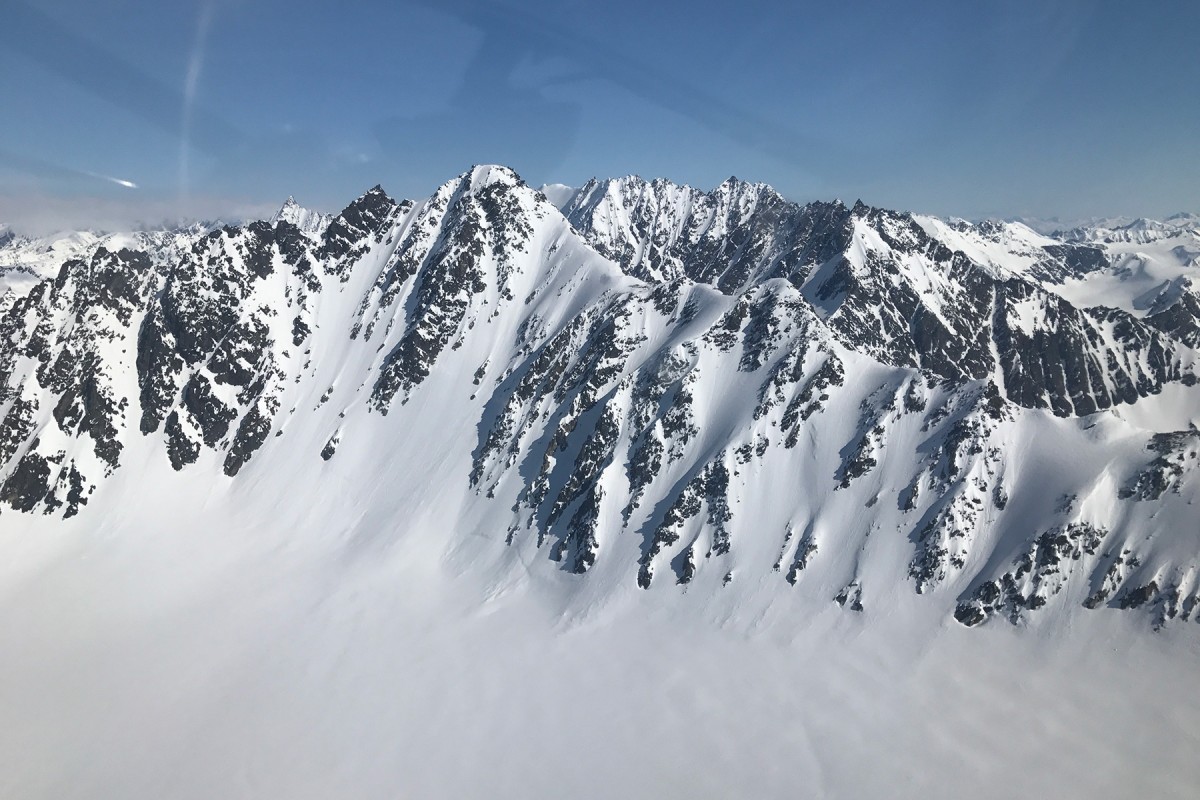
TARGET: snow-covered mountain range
(647,386)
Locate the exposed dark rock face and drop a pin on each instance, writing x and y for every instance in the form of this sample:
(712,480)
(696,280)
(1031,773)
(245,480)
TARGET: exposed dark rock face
(251,435)
(1070,260)
(1036,576)
(350,234)
(28,484)
(448,277)
(1176,454)
(708,491)
(960,473)
(850,597)
(1176,311)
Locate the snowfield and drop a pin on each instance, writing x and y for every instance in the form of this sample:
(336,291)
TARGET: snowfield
(208,654)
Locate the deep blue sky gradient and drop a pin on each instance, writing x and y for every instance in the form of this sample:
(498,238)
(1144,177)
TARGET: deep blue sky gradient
(1060,107)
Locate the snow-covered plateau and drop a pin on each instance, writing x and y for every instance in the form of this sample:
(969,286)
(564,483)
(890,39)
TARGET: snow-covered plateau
(625,490)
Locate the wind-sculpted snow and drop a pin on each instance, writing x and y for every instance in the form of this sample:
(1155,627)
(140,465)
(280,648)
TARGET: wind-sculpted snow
(657,388)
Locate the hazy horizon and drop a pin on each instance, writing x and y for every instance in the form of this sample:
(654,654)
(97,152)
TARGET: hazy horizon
(46,215)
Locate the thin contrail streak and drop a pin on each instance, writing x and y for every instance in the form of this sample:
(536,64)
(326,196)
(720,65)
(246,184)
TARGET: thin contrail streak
(190,83)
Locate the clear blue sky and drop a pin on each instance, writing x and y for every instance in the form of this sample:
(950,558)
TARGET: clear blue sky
(1057,107)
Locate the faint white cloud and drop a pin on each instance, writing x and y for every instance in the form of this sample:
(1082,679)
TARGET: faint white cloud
(351,155)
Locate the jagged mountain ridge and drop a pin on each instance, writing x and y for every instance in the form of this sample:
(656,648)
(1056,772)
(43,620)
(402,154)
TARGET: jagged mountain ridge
(888,287)
(666,384)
